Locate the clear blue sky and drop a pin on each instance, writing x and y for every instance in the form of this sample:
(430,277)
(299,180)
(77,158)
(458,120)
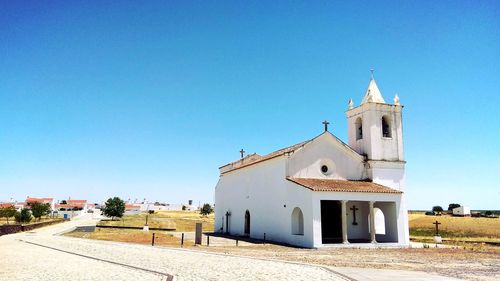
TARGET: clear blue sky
(147,99)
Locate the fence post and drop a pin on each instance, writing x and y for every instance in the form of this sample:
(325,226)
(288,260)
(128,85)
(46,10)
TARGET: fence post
(236,241)
(153,241)
(182,240)
(264,238)
(208,240)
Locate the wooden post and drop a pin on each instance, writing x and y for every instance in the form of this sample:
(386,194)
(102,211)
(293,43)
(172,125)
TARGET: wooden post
(208,240)
(236,241)
(153,240)
(182,240)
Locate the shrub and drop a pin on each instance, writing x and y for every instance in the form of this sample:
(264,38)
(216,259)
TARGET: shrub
(23,217)
(429,213)
(206,209)
(7,212)
(437,209)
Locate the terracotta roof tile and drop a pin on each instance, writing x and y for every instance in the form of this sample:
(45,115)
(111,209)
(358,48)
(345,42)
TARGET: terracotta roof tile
(42,200)
(342,185)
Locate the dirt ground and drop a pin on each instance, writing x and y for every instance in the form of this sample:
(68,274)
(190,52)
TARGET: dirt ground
(178,220)
(478,264)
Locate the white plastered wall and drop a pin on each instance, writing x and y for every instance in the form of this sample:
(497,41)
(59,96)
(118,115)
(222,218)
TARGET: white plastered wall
(326,150)
(270,198)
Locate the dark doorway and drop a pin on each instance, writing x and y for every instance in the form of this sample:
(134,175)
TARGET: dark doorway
(247,223)
(331,222)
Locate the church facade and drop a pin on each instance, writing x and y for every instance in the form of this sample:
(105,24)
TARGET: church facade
(323,192)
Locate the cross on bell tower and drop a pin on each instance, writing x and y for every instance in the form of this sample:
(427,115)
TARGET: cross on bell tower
(242,152)
(326,125)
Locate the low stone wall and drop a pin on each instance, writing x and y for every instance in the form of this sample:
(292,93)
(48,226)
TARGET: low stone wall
(14,228)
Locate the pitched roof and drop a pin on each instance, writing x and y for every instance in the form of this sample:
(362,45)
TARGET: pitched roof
(76,201)
(6,204)
(42,200)
(342,185)
(373,93)
(255,158)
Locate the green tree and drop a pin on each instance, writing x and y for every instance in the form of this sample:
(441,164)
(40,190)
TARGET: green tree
(488,213)
(40,209)
(63,202)
(7,212)
(23,217)
(206,209)
(437,209)
(453,206)
(115,207)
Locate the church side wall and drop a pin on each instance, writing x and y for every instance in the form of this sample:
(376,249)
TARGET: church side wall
(263,190)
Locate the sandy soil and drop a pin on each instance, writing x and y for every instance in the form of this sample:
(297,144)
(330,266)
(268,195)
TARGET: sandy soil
(483,264)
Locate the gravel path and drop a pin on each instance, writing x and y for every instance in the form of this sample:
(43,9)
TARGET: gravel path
(25,261)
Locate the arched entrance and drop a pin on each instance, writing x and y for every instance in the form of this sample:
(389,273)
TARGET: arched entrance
(247,223)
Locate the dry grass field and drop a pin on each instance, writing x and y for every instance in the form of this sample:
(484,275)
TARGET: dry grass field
(465,229)
(129,235)
(182,221)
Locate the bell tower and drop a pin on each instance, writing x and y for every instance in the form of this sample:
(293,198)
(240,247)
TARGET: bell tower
(375,130)
(375,127)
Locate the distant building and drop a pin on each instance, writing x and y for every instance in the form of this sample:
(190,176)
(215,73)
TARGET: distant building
(72,205)
(30,200)
(6,204)
(461,211)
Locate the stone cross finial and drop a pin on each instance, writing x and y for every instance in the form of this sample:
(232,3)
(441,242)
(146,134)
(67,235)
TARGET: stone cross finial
(326,125)
(396,99)
(242,152)
(372,70)
(351,104)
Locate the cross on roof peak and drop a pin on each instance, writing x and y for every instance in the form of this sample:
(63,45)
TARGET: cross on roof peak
(242,152)
(326,125)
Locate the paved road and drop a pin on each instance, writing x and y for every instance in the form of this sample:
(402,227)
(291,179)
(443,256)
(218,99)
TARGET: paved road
(43,255)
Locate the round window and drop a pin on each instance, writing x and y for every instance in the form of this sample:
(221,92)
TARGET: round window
(324,169)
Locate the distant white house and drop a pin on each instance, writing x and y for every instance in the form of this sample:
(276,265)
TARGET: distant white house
(461,211)
(323,191)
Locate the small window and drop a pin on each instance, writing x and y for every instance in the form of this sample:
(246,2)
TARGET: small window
(359,128)
(324,169)
(297,222)
(386,127)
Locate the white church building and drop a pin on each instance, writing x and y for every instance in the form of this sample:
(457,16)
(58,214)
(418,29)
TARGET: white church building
(323,192)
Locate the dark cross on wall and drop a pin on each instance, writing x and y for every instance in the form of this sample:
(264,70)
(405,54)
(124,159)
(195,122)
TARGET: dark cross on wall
(437,227)
(242,152)
(354,209)
(326,125)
